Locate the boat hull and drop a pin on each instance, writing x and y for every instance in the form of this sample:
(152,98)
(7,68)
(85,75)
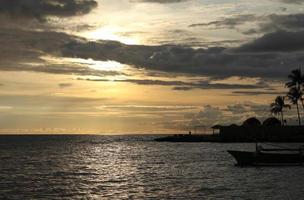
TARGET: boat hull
(244,158)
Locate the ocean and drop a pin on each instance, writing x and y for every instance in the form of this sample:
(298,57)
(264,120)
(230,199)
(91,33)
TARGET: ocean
(135,167)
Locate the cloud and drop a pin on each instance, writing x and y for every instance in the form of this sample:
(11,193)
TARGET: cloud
(254,93)
(210,112)
(180,85)
(237,108)
(65,85)
(291,1)
(289,22)
(49,100)
(159,1)
(23,50)
(146,108)
(39,9)
(229,22)
(67,69)
(211,115)
(271,56)
(5,108)
(215,61)
(230,114)
(274,22)
(280,41)
(264,23)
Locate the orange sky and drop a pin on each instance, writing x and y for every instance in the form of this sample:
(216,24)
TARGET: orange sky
(121,67)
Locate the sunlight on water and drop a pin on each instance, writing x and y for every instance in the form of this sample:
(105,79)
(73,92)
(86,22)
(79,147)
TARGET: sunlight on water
(135,167)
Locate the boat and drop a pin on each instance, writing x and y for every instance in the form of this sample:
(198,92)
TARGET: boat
(269,157)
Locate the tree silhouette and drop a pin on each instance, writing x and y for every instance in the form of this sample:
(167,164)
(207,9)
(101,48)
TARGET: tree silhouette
(278,106)
(296,80)
(295,94)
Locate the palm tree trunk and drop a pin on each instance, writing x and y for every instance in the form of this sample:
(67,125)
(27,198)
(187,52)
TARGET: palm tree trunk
(299,118)
(282,118)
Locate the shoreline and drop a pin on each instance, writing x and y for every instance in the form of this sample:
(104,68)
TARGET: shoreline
(219,139)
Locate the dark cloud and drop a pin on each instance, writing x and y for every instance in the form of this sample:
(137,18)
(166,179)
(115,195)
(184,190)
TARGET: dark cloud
(183,88)
(270,56)
(237,108)
(23,51)
(40,9)
(65,85)
(292,1)
(242,111)
(265,23)
(159,1)
(216,62)
(180,85)
(229,22)
(217,86)
(274,22)
(285,22)
(68,69)
(254,93)
(280,41)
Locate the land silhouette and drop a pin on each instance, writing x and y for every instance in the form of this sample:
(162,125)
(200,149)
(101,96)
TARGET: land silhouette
(252,130)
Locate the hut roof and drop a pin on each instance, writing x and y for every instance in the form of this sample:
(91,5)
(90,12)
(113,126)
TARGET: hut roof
(252,122)
(233,125)
(217,126)
(272,121)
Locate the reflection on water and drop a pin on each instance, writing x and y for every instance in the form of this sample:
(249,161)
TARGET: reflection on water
(134,167)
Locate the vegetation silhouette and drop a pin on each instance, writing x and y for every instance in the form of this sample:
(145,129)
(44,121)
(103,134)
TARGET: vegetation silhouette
(252,130)
(295,93)
(278,106)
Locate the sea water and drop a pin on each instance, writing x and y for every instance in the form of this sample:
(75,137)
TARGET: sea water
(135,167)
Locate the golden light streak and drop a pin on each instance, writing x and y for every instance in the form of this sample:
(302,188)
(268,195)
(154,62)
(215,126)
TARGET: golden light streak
(110,33)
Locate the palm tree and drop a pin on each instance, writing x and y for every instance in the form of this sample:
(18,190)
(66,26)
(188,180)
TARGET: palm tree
(294,95)
(278,106)
(296,80)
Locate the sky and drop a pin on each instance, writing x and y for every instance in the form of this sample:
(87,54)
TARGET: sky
(144,66)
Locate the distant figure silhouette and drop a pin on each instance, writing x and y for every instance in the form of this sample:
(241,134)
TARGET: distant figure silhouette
(189,132)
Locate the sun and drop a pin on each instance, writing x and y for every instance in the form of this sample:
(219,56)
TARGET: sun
(110,33)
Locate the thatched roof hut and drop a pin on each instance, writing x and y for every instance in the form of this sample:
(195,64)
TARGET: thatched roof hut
(217,126)
(252,122)
(272,121)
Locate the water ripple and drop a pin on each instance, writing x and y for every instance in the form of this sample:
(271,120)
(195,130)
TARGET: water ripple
(132,167)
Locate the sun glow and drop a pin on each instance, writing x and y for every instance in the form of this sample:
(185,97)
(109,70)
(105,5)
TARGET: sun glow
(100,65)
(110,33)
(108,65)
